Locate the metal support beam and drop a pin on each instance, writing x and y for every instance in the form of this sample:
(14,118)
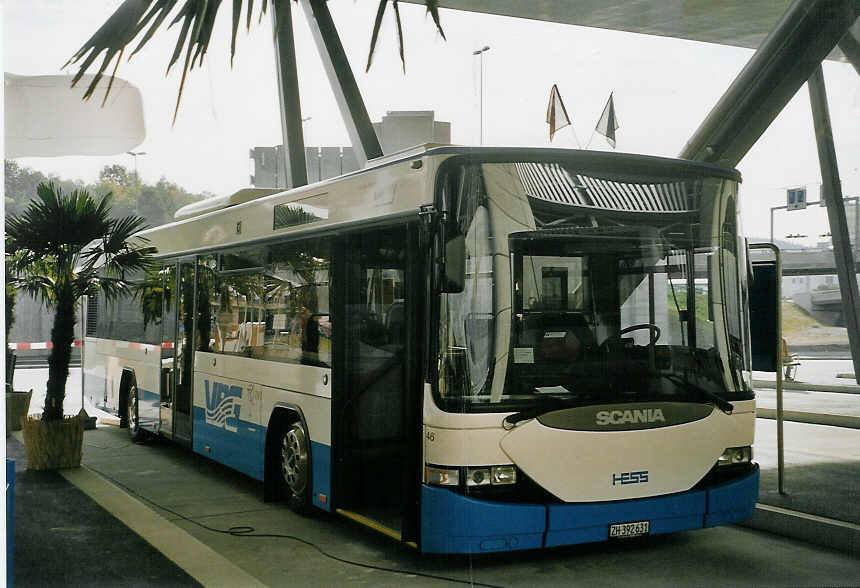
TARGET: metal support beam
(850,46)
(295,169)
(831,193)
(349,101)
(804,36)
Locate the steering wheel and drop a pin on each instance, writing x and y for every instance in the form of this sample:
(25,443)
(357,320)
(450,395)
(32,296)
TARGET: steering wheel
(655,331)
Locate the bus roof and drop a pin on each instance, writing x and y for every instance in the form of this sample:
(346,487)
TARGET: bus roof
(389,188)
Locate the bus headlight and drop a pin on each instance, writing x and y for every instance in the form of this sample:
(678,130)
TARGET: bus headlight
(735,455)
(441,476)
(504,474)
(500,475)
(478,476)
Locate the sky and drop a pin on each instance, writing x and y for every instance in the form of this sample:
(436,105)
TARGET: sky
(663,88)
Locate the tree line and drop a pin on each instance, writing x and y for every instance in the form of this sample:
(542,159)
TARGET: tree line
(156,203)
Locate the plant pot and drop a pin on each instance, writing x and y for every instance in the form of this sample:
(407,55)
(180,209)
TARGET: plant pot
(53,445)
(17,406)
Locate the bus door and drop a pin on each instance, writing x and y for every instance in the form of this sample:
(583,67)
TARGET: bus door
(168,336)
(376,404)
(178,370)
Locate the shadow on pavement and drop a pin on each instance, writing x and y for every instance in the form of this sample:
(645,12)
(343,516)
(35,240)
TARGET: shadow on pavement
(823,489)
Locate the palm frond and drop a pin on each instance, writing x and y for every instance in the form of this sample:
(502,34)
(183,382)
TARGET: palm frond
(237,16)
(111,38)
(433,11)
(377,24)
(197,18)
(399,32)
(38,288)
(70,239)
(159,9)
(58,225)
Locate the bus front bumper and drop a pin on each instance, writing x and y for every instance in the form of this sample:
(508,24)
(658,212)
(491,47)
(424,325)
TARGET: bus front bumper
(453,523)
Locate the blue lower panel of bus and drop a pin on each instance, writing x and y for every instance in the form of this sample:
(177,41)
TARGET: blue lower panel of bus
(235,443)
(453,523)
(321,465)
(243,449)
(732,502)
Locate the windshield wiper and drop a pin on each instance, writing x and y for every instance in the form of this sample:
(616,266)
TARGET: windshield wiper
(545,405)
(720,402)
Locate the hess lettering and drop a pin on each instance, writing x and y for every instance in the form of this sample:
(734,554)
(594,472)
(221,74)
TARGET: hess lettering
(624,478)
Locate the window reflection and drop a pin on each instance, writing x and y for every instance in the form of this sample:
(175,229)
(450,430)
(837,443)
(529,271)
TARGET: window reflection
(277,309)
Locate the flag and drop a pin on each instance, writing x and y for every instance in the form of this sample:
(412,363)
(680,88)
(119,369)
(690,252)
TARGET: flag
(556,114)
(608,122)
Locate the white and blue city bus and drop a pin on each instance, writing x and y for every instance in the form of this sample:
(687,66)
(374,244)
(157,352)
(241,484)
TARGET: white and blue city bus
(468,349)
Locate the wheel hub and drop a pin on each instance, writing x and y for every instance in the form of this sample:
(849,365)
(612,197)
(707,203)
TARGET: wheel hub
(294,460)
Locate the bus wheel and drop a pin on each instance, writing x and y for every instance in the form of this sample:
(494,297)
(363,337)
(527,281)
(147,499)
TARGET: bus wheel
(137,433)
(295,466)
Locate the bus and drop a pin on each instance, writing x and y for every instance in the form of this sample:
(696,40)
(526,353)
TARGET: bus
(468,349)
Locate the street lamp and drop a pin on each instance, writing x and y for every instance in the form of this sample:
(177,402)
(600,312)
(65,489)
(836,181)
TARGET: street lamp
(480,53)
(137,180)
(135,154)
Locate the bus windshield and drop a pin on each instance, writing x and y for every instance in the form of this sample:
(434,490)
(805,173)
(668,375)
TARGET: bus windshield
(585,288)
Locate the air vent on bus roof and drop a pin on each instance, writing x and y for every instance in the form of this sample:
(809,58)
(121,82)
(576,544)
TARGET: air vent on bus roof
(553,182)
(219,202)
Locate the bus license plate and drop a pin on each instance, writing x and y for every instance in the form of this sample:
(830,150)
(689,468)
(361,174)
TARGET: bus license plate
(629,529)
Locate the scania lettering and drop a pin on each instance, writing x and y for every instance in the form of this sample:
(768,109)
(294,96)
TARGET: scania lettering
(617,417)
(469,349)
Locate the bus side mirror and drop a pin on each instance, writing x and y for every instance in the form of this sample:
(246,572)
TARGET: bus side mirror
(764,313)
(454,277)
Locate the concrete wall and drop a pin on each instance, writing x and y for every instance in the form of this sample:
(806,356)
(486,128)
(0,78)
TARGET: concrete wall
(398,130)
(402,129)
(33,321)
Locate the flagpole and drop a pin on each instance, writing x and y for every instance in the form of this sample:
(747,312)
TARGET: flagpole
(590,138)
(572,130)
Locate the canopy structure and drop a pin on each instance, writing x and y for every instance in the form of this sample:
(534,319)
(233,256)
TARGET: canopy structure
(740,23)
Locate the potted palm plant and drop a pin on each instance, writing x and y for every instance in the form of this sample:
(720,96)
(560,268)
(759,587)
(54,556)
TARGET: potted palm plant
(62,247)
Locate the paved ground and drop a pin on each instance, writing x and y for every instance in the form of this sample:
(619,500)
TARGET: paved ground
(185,506)
(204,499)
(64,538)
(822,469)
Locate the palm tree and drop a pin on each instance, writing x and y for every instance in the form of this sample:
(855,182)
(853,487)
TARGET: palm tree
(62,247)
(198,22)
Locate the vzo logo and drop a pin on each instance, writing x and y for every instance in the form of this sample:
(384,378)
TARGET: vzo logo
(223,402)
(625,478)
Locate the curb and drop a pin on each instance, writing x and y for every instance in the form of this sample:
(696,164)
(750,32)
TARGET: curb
(198,560)
(794,385)
(830,533)
(811,418)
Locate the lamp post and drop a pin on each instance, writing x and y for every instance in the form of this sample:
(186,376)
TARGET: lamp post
(480,53)
(134,154)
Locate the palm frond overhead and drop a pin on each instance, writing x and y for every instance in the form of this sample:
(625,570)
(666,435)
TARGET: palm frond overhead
(432,10)
(197,21)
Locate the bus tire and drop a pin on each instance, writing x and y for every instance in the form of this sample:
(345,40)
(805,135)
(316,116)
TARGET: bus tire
(131,416)
(294,465)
